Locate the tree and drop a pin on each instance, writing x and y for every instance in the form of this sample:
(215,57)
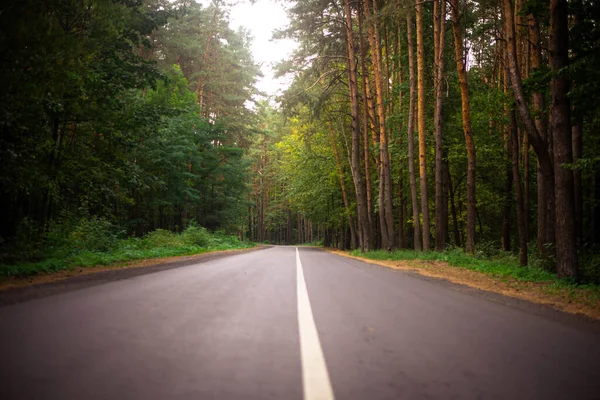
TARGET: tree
(441,203)
(385,183)
(466,121)
(355,111)
(411,139)
(421,125)
(566,253)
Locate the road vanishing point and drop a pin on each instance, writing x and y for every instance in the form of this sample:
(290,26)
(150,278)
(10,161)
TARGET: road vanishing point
(290,323)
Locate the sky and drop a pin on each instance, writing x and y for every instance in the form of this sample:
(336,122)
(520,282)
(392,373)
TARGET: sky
(261,19)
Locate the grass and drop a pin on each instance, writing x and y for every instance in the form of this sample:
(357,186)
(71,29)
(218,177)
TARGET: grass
(504,267)
(499,267)
(71,254)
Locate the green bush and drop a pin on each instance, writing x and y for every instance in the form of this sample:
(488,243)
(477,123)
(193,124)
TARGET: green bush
(161,238)
(94,234)
(196,235)
(90,241)
(69,236)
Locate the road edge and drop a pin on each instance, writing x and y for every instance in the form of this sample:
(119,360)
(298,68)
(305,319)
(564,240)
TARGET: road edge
(542,309)
(82,278)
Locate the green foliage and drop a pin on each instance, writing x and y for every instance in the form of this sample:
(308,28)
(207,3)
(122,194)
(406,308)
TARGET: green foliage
(92,118)
(93,234)
(196,235)
(92,242)
(501,267)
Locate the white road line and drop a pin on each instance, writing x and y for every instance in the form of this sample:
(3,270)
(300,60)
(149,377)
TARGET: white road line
(315,378)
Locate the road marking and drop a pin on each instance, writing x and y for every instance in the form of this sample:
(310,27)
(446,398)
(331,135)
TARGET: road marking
(315,378)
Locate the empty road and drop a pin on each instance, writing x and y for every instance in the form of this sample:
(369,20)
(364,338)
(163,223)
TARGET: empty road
(287,323)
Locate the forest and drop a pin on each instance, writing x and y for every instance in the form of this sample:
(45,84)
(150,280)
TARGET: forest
(431,126)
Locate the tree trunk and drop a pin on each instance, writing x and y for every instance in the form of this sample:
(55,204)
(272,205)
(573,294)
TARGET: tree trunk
(361,204)
(545,194)
(566,251)
(353,238)
(385,185)
(466,119)
(365,126)
(411,137)
(288,233)
(441,207)
(577,132)
(506,241)
(455,227)
(400,80)
(538,142)
(421,126)
(506,244)
(521,222)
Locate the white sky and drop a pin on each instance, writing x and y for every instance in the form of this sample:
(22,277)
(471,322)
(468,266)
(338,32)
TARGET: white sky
(261,19)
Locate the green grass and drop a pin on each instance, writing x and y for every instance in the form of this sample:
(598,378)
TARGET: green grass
(503,267)
(157,244)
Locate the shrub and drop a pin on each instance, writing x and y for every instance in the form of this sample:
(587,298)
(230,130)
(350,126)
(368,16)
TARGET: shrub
(161,238)
(196,235)
(69,236)
(94,234)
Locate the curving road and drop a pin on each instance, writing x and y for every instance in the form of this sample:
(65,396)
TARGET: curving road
(283,323)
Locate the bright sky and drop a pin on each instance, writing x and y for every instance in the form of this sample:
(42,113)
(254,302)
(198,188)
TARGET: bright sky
(261,19)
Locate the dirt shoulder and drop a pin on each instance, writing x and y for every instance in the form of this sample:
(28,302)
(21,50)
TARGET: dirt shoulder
(578,301)
(16,290)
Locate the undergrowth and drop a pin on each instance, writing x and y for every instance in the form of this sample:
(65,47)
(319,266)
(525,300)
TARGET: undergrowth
(95,242)
(503,266)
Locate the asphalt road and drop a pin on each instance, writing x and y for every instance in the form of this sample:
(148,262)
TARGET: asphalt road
(282,324)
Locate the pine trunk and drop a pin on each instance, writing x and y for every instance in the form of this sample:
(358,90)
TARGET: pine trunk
(365,126)
(535,135)
(386,216)
(361,204)
(421,126)
(441,206)
(353,237)
(521,221)
(466,120)
(411,137)
(566,251)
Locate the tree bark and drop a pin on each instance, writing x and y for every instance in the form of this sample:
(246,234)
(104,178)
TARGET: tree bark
(521,221)
(455,227)
(386,216)
(466,120)
(353,237)
(441,206)
(506,244)
(538,142)
(421,126)
(400,80)
(577,134)
(411,137)
(361,204)
(365,126)
(560,111)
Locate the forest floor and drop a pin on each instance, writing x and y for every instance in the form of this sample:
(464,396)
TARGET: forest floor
(16,282)
(571,298)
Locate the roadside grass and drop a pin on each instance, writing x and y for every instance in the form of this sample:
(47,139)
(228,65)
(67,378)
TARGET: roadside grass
(504,275)
(82,251)
(503,267)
